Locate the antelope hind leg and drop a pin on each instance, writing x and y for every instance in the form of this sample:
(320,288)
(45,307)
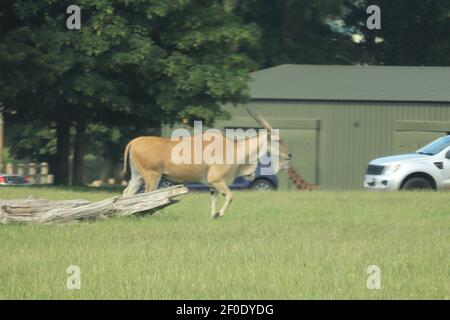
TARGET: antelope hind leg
(135,182)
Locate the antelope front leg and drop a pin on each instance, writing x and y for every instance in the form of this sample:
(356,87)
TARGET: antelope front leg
(214,194)
(222,187)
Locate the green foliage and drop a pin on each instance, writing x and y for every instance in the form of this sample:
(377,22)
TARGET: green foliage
(413,33)
(146,59)
(133,66)
(33,142)
(297,31)
(109,141)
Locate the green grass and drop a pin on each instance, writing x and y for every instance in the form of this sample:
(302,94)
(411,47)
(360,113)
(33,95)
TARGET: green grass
(282,245)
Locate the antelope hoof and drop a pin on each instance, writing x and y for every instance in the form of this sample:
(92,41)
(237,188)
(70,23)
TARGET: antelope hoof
(216,215)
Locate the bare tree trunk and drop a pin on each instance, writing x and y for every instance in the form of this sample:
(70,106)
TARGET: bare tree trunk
(107,170)
(79,150)
(63,150)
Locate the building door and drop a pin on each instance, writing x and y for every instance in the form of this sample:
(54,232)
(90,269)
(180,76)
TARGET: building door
(411,141)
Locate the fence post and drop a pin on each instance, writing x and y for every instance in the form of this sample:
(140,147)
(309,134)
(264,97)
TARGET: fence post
(20,169)
(9,168)
(44,173)
(32,172)
(50,179)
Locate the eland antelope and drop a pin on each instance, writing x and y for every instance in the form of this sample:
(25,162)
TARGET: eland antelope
(150,158)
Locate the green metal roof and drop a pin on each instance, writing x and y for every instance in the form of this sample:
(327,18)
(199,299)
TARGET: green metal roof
(352,83)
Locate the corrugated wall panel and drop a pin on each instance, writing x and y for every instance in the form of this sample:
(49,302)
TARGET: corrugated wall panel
(351,134)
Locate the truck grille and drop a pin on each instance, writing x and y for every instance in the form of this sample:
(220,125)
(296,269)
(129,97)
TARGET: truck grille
(375,170)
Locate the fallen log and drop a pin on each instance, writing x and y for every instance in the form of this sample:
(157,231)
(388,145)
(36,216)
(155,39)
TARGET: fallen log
(43,211)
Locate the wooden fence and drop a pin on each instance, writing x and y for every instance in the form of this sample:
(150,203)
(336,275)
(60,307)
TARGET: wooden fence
(36,173)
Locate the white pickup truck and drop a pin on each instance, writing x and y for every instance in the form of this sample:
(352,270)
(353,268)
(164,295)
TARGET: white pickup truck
(428,168)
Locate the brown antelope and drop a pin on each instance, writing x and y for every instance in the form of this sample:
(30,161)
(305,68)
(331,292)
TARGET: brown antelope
(150,158)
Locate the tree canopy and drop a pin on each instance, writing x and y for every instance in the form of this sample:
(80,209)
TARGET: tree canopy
(295,31)
(142,61)
(413,33)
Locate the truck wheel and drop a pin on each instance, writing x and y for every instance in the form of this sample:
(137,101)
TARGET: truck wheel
(166,184)
(262,185)
(417,183)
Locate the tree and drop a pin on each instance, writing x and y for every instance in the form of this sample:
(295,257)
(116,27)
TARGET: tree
(296,31)
(32,141)
(133,61)
(413,32)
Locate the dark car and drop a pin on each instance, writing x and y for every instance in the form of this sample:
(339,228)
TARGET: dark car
(13,180)
(260,182)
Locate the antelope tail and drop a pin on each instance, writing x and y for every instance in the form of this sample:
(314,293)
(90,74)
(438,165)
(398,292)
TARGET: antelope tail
(125,159)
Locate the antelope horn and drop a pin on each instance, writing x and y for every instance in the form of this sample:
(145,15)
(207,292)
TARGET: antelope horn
(255,115)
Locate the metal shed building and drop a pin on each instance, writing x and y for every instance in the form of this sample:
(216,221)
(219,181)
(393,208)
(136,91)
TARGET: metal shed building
(337,118)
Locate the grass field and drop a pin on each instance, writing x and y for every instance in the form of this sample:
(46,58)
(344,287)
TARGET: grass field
(283,245)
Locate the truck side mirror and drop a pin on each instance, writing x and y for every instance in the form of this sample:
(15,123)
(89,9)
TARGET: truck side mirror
(447,156)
